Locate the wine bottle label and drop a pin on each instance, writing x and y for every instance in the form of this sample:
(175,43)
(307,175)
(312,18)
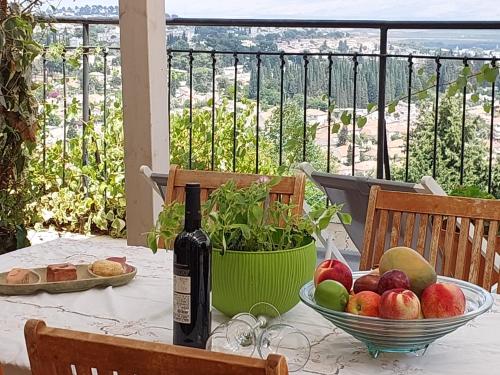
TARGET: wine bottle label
(182,284)
(182,308)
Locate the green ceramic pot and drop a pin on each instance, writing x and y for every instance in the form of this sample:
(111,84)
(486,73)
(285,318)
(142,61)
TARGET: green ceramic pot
(240,279)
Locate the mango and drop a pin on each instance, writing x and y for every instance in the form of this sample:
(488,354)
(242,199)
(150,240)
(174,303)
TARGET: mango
(418,270)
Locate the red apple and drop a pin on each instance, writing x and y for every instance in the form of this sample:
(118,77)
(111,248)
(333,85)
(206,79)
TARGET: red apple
(366,282)
(332,269)
(442,301)
(393,279)
(365,303)
(401,304)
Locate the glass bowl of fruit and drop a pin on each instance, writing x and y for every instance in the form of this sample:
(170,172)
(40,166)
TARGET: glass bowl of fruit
(385,313)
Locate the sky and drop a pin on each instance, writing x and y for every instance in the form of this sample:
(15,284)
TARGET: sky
(462,10)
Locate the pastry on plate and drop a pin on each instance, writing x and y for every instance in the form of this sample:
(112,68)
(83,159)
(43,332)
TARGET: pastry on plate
(61,272)
(107,268)
(18,276)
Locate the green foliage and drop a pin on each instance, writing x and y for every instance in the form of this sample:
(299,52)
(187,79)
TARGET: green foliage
(244,220)
(89,199)
(471,192)
(201,128)
(449,135)
(18,118)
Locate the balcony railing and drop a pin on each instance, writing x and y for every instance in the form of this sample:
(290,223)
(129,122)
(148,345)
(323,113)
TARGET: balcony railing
(253,60)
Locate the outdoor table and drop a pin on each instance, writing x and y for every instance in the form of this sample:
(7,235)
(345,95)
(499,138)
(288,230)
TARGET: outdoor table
(142,310)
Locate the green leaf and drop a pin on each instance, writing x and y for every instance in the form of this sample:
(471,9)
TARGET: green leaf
(423,95)
(452,90)
(474,98)
(210,102)
(391,108)
(487,107)
(152,242)
(361,121)
(345,218)
(491,74)
(420,71)
(336,127)
(346,118)
(371,106)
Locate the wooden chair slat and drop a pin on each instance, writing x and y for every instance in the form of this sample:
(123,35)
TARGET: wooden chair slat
(381,233)
(169,194)
(273,197)
(436,229)
(298,195)
(203,195)
(396,227)
(51,349)
(476,251)
(409,227)
(462,247)
(366,260)
(449,260)
(62,369)
(83,369)
(490,256)
(485,209)
(285,198)
(422,231)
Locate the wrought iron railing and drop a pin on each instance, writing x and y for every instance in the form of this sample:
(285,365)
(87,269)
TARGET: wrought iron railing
(382,57)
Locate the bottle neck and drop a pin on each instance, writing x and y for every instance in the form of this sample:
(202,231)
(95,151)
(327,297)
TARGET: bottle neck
(192,220)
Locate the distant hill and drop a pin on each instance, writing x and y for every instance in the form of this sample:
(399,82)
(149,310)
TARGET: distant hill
(89,10)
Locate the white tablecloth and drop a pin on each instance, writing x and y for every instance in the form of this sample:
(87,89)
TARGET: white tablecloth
(142,310)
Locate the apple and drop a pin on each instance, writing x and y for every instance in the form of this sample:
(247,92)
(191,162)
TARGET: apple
(401,304)
(393,279)
(332,295)
(365,303)
(366,282)
(332,269)
(442,301)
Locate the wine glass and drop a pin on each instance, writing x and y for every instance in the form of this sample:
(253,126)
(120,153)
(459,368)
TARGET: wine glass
(261,328)
(238,335)
(288,341)
(234,336)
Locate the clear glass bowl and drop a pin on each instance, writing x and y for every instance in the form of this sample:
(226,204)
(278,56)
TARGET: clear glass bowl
(402,336)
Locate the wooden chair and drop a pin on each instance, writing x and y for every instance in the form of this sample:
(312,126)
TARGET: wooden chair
(288,190)
(55,351)
(409,215)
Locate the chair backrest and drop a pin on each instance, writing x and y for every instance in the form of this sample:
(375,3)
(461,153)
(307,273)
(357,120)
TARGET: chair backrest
(288,190)
(55,351)
(449,249)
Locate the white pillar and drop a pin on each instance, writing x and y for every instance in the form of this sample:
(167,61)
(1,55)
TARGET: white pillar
(145,118)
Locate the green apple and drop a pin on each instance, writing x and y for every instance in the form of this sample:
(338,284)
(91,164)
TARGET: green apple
(332,295)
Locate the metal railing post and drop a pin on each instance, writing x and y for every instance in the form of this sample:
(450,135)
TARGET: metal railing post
(381,102)
(85,97)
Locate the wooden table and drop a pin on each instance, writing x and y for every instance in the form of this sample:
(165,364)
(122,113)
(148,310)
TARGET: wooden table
(143,310)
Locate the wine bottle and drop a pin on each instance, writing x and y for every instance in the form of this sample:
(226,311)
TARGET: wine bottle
(192,278)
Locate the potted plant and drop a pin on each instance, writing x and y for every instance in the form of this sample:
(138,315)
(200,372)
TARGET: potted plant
(261,253)
(18,117)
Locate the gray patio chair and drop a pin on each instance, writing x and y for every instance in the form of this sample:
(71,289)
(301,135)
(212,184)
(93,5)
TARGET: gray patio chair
(353,192)
(158,181)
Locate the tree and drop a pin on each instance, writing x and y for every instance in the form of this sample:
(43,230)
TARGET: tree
(342,136)
(449,136)
(293,138)
(349,155)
